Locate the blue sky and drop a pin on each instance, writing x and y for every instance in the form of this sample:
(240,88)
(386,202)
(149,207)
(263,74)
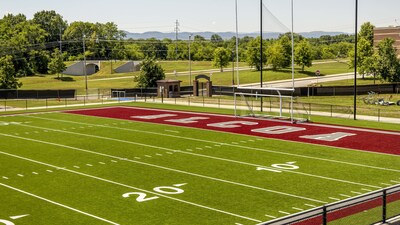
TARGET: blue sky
(213,15)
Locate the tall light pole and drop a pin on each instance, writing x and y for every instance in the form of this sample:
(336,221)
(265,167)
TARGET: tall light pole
(84,64)
(355,62)
(233,68)
(190,62)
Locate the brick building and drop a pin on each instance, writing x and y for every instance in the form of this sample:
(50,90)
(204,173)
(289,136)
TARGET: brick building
(381,33)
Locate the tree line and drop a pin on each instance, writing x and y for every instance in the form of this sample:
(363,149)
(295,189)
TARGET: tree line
(42,45)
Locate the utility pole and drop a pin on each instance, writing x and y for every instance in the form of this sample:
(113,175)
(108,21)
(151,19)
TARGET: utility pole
(84,64)
(355,62)
(176,38)
(261,52)
(190,62)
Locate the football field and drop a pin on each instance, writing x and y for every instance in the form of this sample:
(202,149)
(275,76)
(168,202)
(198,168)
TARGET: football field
(127,165)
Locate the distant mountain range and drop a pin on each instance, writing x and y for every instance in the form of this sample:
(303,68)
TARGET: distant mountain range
(224,35)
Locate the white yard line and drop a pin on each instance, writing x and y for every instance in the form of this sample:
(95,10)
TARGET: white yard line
(170,169)
(200,155)
(129,186)
(218,144)
(58,204)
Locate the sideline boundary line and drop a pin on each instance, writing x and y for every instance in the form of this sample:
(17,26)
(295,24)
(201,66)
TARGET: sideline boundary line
(128,186)
(166,168)
(227,144)
(59,204)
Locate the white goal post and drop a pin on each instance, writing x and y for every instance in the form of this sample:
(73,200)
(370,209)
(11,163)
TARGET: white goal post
(244,103)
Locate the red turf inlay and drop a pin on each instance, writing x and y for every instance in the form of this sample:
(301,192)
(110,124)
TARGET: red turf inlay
(347,137)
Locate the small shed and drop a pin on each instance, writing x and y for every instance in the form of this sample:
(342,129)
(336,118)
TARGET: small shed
(169,88)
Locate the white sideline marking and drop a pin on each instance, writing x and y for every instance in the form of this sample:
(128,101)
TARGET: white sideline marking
(314,206)
(336,199)
(170,169)
(205,156)
(5,178)
(273,217)
(20,175)
(347,196)
(218,144)
(59,204)
(283,212)
(172,131)
(364,189)
(395,181)
(386,184)
(355,192)
(297,209)
(128,186)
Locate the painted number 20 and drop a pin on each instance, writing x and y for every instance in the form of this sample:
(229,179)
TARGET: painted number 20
(169,190)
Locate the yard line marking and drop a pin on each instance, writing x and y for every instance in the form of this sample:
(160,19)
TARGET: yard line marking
(218,144)
(90,165)
(18,217)
(50,171)
(238,224)
(148,156)
(244,142)
(273,217)
(59,204)
(172,131)
(131,187)
(395,181)
(159,154)
(347,196)
(364,189)
(17,134)
(137,158)
(314,206)
(20,175)
(235,143)
(283,212)
(114,161)
(199,148)
(355,192)
(175,170)
(76,167)
(170,153)
(298,209)
(336,199)
(386,184)
(190,150)
(35,173)
(251,140)
(208,147)
(102,163)
(5,178)
(200,155)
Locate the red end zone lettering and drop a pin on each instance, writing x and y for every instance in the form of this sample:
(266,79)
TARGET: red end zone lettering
(336,136)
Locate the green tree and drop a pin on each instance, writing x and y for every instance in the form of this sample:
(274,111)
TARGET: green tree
(365,54)
(52,23)
(56,64)
(253,54)
(286,44)
(388,66)
(8,79)
(222,57)
(217,40)
(367,32)
(276,55)
(303,54)
(150,73)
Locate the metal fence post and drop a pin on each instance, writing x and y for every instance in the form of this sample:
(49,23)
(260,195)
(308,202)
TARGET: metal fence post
(331,110)
(66,102)
(46,104)
(26,104)
(5,105)
(84,100)
(203,100)
(324,216)
(379,115)
(384,206)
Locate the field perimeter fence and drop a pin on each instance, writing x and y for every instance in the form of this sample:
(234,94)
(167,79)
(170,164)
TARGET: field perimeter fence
(379,207)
